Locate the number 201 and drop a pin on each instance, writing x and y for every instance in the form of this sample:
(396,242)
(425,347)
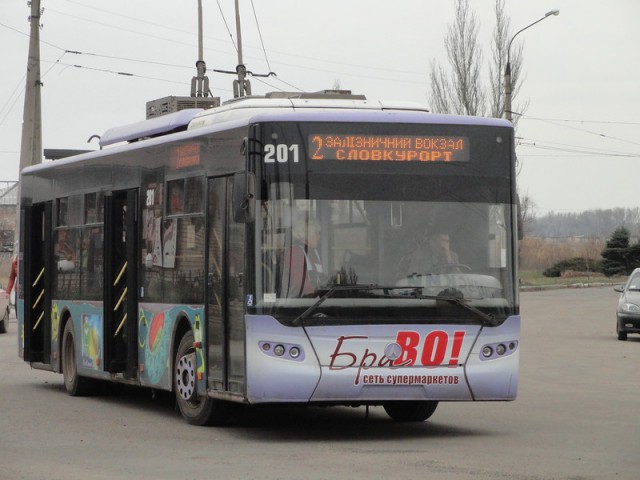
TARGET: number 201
(281,153)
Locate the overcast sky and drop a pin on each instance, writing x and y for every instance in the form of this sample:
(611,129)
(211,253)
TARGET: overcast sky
(579,140)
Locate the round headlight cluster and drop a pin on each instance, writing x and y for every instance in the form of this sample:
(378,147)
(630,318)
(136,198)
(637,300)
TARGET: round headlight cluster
(282,350)
(497,350)
(294,352)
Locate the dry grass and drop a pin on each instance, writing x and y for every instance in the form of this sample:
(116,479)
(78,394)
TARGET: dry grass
(538,254)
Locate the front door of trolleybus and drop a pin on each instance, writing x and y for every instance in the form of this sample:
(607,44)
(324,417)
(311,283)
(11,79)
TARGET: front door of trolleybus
(225,292)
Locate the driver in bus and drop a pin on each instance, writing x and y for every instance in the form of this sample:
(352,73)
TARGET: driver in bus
(304,271)
(434,254)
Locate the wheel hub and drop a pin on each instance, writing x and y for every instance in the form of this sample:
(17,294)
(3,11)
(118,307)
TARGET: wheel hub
(186,377)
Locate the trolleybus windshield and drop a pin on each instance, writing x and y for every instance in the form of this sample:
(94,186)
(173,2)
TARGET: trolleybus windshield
(384,223)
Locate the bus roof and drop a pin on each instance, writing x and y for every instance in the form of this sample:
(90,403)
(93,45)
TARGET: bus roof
(248,110)
(149,128)
(248,107)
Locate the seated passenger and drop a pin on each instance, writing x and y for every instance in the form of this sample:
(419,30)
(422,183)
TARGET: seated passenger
(303,272)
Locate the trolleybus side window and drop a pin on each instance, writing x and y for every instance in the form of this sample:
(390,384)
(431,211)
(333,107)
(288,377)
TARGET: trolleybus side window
(67,247)
(92,265)
(151,244)
(185,196)
(183,238)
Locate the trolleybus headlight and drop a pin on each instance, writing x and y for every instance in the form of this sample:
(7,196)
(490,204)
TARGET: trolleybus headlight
(487,351)
(278,350)
(294,352)
(266,346)
(501,349)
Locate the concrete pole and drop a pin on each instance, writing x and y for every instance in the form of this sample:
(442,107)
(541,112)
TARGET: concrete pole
(507,72)
(507,93)
(31,142)
(31,146)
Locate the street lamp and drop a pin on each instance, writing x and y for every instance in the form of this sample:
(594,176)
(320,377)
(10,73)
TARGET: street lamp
(507,71)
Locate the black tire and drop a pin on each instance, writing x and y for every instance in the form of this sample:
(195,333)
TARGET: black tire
(75,385)
(4,323)
(410,411)
(622,335)
(196,410)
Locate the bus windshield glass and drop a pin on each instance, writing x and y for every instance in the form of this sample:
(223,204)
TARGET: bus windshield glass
(368,223)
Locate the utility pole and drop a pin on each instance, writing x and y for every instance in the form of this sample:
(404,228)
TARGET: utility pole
(31,146)
(31,143)
(508,114)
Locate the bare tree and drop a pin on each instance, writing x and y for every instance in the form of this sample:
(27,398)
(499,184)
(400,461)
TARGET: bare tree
(526,214)
(460,90)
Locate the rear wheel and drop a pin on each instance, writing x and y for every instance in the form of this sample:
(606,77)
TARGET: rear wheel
(411,411)
(74,384)
(4,323)
(196,409)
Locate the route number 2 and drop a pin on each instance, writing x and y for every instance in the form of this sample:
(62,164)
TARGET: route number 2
(281,153)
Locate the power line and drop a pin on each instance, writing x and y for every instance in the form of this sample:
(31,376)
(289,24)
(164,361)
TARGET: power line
(304,57)
(136,32)
(120,15)
(612,122)
(351,65)
(224,19)
(104,70)
(584,130)
(563,147)
(289,65)
(260,35)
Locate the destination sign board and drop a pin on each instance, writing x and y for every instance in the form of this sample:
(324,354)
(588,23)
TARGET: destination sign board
(389,148)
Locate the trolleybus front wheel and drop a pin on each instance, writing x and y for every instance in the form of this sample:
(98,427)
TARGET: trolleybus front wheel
(196,409)
(410,411)
(74,384)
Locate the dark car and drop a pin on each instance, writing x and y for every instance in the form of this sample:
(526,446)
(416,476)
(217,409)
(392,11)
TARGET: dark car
(628,311)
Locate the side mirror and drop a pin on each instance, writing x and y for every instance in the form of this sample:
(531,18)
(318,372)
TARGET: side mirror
(244,197)
(619,288)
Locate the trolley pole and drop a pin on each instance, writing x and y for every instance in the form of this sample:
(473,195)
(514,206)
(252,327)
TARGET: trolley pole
(241,87)
(200,83)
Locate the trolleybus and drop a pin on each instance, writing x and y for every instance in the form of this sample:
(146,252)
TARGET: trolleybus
(307,249)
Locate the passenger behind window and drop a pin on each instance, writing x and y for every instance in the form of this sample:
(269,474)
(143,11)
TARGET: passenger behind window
(304,271)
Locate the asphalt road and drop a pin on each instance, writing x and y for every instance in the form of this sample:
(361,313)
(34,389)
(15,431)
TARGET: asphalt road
(577,417)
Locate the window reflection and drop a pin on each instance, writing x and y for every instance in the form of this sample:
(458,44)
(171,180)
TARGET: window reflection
(308,246)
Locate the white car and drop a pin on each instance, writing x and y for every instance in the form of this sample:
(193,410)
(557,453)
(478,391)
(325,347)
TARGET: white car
(4,311)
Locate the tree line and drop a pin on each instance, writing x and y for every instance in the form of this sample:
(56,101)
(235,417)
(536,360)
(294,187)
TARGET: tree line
(619,257)
(598,223)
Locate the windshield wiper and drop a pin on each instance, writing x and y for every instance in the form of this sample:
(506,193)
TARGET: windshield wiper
(341,288)
(447,295)
(489,319)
